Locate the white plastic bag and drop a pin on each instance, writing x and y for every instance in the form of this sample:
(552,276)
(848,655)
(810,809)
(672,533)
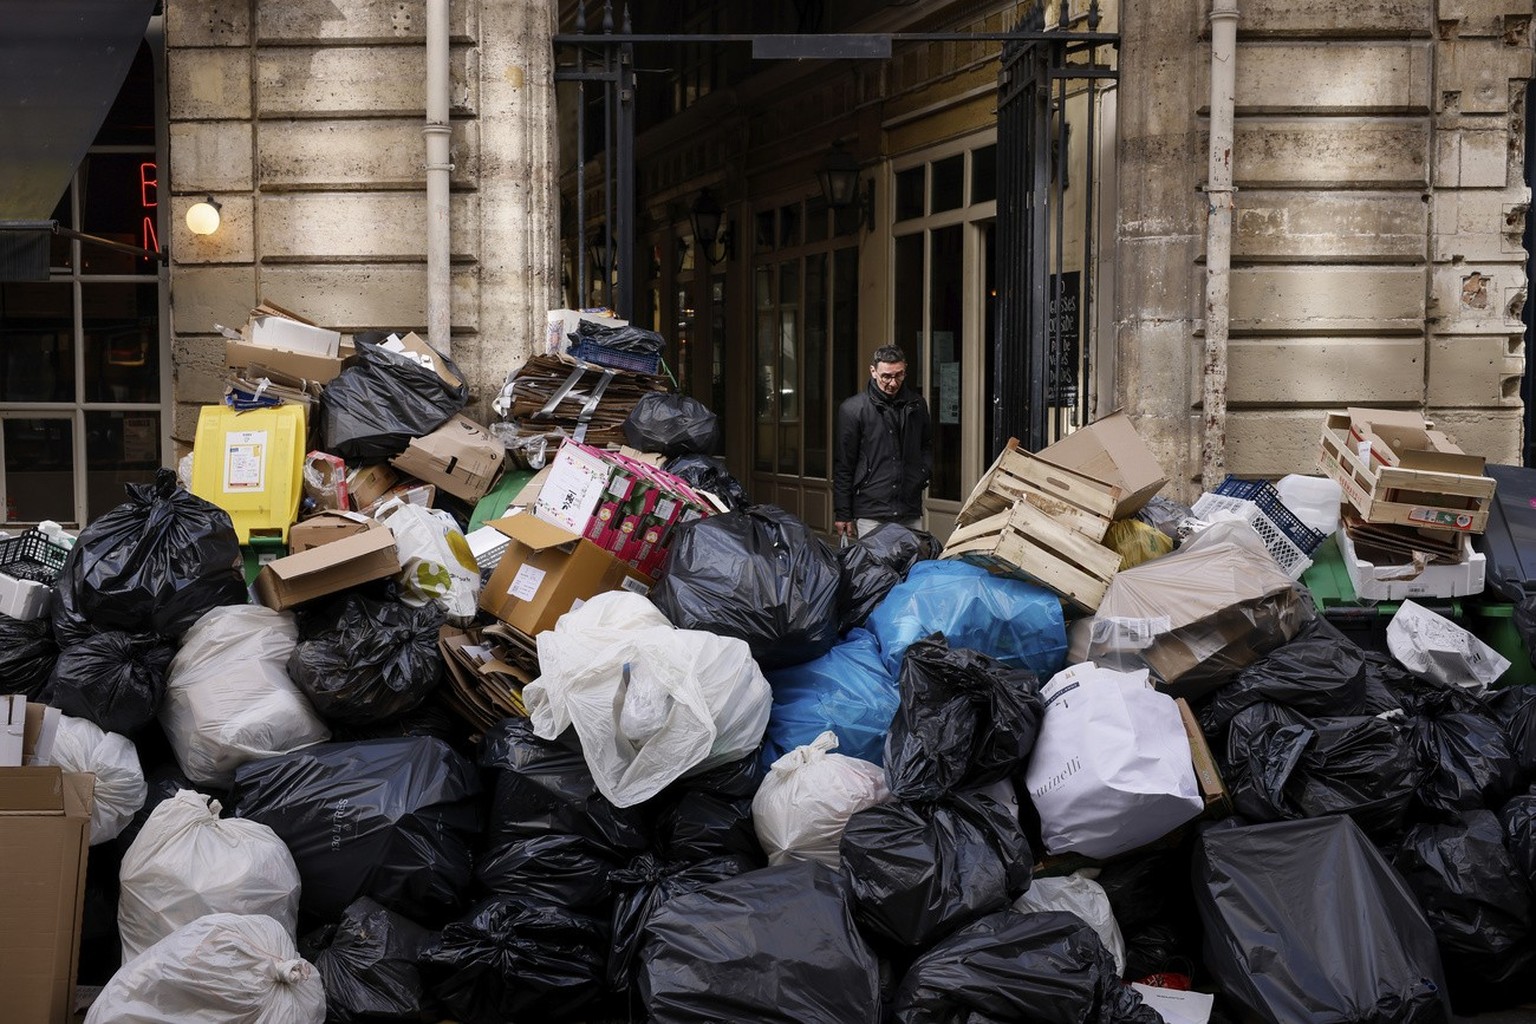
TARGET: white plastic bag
(1111,769)
(650,703)
(81,746)
(188,862)
(1078,894)
(1434,647)
(804,804)
(228,697)
(436,565)
(220,969)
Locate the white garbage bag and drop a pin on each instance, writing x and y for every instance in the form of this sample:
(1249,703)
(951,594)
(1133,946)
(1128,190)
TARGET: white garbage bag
(1434,647)
(436,565)
(650,703)
(187,862)
(804,804)
(1078,894)
(81,746)
(220,969)
(1111,769)
(228,697)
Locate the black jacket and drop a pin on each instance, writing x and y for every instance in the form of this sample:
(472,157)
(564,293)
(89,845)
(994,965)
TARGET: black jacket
(883,456)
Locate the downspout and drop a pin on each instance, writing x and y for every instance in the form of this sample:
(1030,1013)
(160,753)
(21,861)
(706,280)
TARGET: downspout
(1218,243)
(437,133)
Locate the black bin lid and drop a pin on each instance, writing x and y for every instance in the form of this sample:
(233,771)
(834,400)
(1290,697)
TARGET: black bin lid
(1510,543)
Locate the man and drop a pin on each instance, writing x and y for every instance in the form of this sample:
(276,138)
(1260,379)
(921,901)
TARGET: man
(883,451)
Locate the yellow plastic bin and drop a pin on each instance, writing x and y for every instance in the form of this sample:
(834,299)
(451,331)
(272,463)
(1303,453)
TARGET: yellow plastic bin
(251,464)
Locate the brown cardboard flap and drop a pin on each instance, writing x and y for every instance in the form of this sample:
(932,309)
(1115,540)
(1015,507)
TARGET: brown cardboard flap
(413,343)
(1441,462)
(533,532)
(327,556)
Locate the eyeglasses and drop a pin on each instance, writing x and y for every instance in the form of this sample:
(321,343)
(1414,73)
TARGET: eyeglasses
(890,378)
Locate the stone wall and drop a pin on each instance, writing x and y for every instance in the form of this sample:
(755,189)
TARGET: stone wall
(304,119)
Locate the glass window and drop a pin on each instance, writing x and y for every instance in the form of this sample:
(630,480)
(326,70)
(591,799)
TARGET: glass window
(948,184)
(789,225)
(37,339)
(945,303)
(683,340)
(789,367)
(847,373)
(119,193)
(909,192)
(39,469)
(764,241)
(121,448)
(717,346)
(121,328)
(984,174)
(815,220)
(815,393)
(766,408)
(909,305)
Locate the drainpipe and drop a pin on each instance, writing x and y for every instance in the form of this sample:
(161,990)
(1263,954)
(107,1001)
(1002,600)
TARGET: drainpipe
(1218,243)
(437,134)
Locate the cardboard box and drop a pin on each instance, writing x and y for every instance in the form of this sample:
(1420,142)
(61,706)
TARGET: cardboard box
(1110,450)
(325,528)
(413,347)
(460,457)
(272,326)
(545,570)
(367,484)
(1392,432)
(45,835)
(303,365)
(1434,490)
(569,496)
(330,568)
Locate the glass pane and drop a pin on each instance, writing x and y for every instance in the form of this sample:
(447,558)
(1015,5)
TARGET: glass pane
(789,225)
(984,174)
(764,407)
(120,448)
(948,183)
(118,197)
(39,470)
(909,306)
(816,219)
(682,355)
(764,240)
(988,331)
(37,340)
(909,193)
(61,252)
(817,416)
(945,303)
(717,348)
(122,342)
(131,121)
(789,367)
(847,375)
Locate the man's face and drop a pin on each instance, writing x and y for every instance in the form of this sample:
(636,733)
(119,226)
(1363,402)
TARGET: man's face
(888,376)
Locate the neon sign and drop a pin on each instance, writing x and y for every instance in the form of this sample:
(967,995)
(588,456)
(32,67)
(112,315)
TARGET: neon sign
(149,199)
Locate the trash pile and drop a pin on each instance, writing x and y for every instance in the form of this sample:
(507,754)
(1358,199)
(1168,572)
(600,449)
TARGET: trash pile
(362,721)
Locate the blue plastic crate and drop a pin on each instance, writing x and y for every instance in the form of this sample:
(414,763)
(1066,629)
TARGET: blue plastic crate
(635,362)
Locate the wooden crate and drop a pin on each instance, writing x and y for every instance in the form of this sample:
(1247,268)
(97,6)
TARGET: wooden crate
(1084,504)
(1412,493)
(1027,542)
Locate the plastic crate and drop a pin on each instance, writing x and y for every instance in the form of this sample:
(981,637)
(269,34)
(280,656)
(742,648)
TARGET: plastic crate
(635,362)
(1263,494)
(1293,561)
(32,556)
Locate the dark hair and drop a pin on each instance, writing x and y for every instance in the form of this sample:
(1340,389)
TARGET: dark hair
(888,354)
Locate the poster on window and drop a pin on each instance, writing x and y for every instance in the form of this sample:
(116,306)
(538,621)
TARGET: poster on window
(141,439)
(1064,333)
(949,392)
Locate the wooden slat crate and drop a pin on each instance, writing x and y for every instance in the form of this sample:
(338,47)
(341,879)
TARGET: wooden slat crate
(1084,504)
(1407,496)
(1026,542)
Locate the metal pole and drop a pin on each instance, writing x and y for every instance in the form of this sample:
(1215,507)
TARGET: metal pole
(1218,246)
(438,132)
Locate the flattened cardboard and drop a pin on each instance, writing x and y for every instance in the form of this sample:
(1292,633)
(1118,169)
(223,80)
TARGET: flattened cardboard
(325,528)
(330,568)
(546,570)
(45,834)
(1109,450)
(304,365)
(460,457)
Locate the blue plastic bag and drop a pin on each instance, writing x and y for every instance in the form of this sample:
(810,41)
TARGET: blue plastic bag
(846,690)
(1015,622)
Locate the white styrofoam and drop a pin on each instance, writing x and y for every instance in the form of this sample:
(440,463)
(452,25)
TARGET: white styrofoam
(23,599)
(1374,583)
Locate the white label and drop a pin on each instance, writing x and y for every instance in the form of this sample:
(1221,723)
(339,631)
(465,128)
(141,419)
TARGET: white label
(634,586)
(526,583)
(245,461)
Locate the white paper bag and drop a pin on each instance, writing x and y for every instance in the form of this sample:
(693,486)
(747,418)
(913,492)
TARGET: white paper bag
(1112,768)
(1434,647)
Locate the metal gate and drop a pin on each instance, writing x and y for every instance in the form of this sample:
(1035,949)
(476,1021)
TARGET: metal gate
(1045,294)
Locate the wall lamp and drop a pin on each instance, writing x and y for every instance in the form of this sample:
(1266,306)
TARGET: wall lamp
(838,176)
(706,218)
(203,216)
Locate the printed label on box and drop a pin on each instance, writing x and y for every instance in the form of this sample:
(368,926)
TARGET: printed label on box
(245,461)
(1440,517)
(526,583)
(634,586)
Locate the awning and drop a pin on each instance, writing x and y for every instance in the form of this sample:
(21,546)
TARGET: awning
(61,65)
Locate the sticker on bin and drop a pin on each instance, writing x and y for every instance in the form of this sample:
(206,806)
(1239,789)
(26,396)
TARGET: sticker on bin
(526,583)
(245,461)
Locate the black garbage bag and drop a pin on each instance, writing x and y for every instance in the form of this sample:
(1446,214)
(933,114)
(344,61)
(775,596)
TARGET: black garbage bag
(758,574)
(1519,820)
(518,960)
(965,719)
(429,718)
(708,473)
(1150,895)
(1515,708)
(1320,673)
(707,816)
(874,564)
(368,964)
(116,680)
(390,819)
(1306,922)
(1012,966)
(370,412)
(565,870)
(1478,903)
(643,887)
(621,339)
(1463,749)
(27,654)
(775,946)
(153,564)
(1281,765)
(361,660)
(918,872)
(672,425)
